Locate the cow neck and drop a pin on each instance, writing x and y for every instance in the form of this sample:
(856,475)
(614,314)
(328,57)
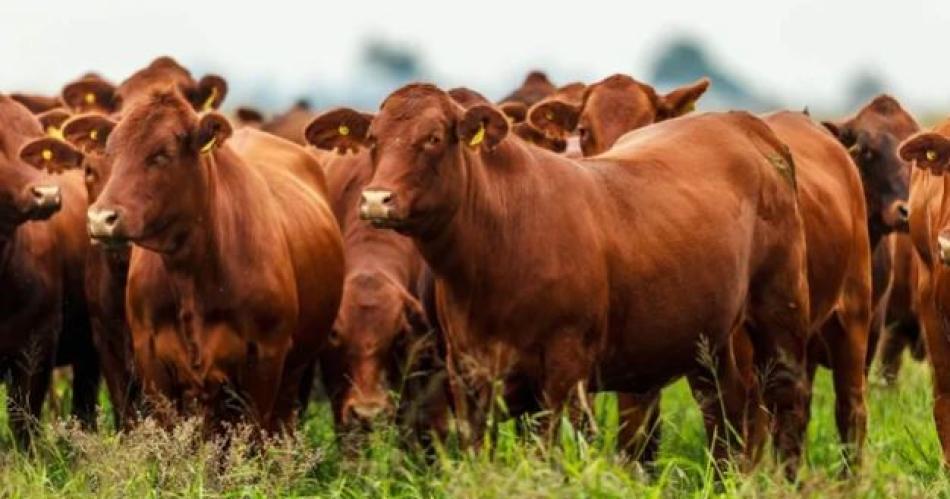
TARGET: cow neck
(201,262)
(470,239)
(8,243)
(380,250)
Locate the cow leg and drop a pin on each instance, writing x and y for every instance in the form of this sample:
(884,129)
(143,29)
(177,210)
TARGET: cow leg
(730,402)
(639,435)
(937,334)
(306,389)
(29,384)
(846,349)
(264,384)
(877,334)
(86,388)
(891,350)
(779,310)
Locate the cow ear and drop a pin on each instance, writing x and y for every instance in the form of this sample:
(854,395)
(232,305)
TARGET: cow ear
(213,129)
(343,129)
(90,94)
(517,111)
(554,117)
(88,132)
(50,154)
(531,134)
(36,103)
(928,150)
(683,99)
(208,94)
(52,121)
(248,116)
(482,125)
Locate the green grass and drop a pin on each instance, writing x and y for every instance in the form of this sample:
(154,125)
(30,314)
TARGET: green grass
(901,460)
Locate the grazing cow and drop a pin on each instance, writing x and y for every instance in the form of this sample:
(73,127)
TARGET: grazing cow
(237,269)
(550,276)
(872,136)
(930,232)
(830,194)
(41,271)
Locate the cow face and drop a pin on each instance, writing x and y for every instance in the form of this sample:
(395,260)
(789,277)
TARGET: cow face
(417,142)
(159,155)
(872,137)
(370,346)
(25,194)
(611,108)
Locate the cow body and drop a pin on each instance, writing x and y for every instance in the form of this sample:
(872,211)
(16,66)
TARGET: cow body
(41,266)
(551,272)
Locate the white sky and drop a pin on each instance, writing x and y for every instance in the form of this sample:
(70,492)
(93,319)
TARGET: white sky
(802,51)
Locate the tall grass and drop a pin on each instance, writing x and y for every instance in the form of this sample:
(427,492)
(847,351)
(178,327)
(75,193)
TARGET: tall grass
(902,459)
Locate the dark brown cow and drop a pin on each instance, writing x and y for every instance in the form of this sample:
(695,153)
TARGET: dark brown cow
(872,136)
(550,276)
(41,271)
(611,108)
(237,269)
(930,232)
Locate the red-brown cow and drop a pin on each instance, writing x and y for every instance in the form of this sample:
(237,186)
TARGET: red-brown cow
(236,274)
(830,194)
(930,232)
(550,275)
(41,271)
(382,339)
(107,266)
(872,136)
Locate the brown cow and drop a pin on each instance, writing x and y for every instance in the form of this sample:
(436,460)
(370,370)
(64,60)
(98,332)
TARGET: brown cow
(237,269)
(930,232)
(550,276)
(830,193)
(382,332)
(536,86)
(107,266)
(611,108)
(872,136)
(41,271)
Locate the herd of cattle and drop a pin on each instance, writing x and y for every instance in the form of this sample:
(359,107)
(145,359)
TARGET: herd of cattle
(565,240)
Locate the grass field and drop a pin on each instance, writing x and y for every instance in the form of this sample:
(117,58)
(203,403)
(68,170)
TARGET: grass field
(902,460)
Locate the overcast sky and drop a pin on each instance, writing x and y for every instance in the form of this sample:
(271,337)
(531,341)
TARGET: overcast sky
(802,51)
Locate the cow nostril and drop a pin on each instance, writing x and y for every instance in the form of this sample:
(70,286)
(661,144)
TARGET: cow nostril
(903,211)
(386,198)
(111,218)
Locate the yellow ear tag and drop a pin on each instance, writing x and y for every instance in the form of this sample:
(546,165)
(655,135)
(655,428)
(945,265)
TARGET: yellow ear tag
(94,134)
(478,137)
(54,132)
(47,155)
(549,116)
(931,155)
(343,130)
(209,146)
(209,102)
(90,98)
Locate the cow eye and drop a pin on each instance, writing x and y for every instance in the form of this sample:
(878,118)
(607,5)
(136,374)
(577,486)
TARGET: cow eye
(89,175)
(334,337)
(159,159)
(583,132)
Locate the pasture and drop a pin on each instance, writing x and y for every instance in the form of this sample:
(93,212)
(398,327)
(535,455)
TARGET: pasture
(902,459)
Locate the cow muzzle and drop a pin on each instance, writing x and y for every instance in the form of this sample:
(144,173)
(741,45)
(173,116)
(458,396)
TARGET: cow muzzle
(104,225)
(45,200)
(377,206)
(364,413)
(897,216)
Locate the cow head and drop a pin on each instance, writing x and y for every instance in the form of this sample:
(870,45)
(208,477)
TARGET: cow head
(417,142)
(872,138)
(371,346)
(536,86)
(160,154)
(611,108)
